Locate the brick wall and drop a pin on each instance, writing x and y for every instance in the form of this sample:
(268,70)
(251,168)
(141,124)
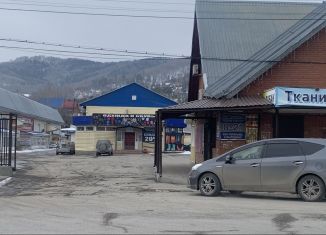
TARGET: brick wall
(315,126)
(295,75)
(224,146)
(266,126)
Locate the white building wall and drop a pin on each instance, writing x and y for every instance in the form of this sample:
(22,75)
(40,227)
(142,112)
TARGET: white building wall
(39,126)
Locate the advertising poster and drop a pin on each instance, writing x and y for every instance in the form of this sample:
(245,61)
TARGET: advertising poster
(135,120)
(232,126)
(149,136)
(173,139)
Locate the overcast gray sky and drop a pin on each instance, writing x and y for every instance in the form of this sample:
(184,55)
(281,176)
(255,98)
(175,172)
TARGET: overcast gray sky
(141,34)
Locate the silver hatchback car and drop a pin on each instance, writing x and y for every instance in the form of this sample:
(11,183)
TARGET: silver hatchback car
(275,165)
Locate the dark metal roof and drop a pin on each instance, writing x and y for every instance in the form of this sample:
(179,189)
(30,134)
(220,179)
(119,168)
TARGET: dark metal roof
(20,105)
(219,104)
(257,31)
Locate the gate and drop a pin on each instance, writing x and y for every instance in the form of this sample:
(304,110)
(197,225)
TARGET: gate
(8,140)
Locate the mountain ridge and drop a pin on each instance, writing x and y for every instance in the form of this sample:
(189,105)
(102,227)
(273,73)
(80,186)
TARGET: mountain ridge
(45,77)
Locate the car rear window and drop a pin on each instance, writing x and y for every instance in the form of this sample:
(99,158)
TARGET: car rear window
(311,148)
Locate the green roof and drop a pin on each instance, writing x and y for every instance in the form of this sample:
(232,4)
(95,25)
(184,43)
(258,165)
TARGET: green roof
(237,37)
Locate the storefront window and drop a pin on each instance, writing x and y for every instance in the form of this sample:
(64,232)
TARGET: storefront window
(100,128)
(80,128)
(89,128)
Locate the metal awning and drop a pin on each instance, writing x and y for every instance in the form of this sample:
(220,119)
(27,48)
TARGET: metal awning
(208,104)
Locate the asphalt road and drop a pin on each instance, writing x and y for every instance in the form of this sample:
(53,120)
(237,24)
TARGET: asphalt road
(83,194)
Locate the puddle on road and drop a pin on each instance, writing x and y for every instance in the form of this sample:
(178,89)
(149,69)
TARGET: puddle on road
(108,217)
(107,221)
(283,221)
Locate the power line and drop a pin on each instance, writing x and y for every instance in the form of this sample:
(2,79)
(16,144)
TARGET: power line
(165,58)
(157,16)
(88,7)
(144,2)
(78,52)
(312,2)
(304,2)
(94,14)
(148,2)
(82,54)
(139,54)
(101,7)
(67,55)
(97,7)
(146,53)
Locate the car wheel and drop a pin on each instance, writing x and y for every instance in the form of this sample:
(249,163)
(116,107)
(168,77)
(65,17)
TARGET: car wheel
(311,188)
(56,153)
(209,185)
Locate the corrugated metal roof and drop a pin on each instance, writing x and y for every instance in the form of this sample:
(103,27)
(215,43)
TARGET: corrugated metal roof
(243,102)
(17,104)
(244,38)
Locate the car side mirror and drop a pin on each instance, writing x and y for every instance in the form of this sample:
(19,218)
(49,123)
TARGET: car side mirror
(229,159)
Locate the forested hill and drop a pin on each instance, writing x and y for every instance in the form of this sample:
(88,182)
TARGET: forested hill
(82,79)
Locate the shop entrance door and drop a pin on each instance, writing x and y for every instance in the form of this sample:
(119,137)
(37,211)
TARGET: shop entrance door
(129,140)
(291,126)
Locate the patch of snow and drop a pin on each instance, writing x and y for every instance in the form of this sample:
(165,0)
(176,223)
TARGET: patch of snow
(34,150)
(186,153)
(5,181)
(70,129)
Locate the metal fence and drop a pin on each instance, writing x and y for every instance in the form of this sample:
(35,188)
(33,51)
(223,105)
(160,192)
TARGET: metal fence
(8,140)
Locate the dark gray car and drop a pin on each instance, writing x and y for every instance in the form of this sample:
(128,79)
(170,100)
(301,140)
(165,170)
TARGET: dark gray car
(276,165)
(104,147)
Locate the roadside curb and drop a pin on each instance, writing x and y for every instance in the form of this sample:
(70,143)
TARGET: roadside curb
(5,181)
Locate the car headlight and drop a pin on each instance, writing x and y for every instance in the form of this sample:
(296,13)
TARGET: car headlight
(195,167)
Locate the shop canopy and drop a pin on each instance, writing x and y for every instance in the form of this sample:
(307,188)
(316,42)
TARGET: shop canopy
(208,104)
